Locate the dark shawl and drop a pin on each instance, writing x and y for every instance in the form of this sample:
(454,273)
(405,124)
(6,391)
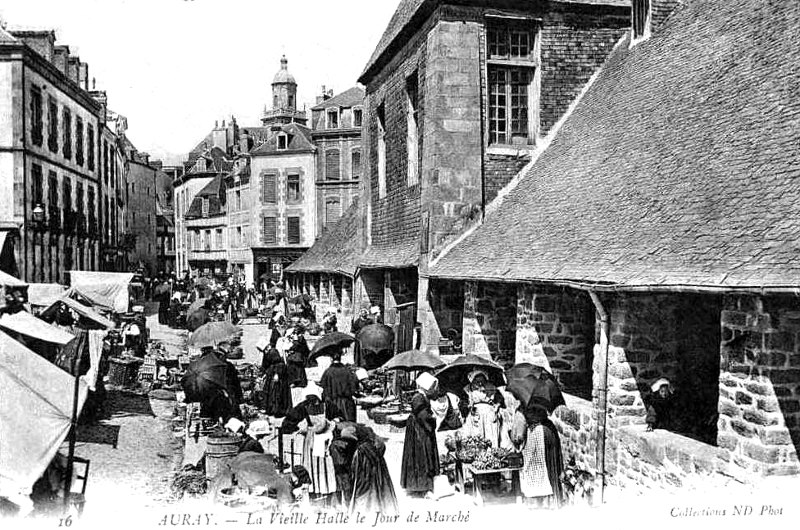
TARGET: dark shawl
(277,396)
(339,385)
(420,454)
(372,486)
(296,363)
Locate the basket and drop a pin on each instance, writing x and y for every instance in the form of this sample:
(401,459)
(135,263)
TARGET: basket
(514,460)
(123,372)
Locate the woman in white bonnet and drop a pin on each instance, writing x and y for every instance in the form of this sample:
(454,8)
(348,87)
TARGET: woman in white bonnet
(420,453)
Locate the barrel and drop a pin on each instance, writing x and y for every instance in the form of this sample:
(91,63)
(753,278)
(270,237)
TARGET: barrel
(221,450)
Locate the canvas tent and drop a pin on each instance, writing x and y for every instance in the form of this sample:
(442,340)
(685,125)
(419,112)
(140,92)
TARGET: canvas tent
(98,320)
(43,294)
(35,414)
(106,290)
(26,324)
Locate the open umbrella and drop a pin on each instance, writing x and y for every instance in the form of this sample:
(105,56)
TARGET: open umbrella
(376,337)
(204,376)
(414,360)
(213,333)
(453,377)
(329,343)
(533,390)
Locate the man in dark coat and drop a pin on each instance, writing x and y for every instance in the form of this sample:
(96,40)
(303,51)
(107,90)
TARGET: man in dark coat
(339,386)
(277,399)
(420,453)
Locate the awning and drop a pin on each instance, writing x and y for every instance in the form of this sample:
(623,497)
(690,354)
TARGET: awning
(6,279)
(82,310)
(35,414)
(44,294)
(26,324)
(8,262)
(105,289)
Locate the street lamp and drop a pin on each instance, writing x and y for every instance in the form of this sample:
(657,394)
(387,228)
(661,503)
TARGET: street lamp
(38,215)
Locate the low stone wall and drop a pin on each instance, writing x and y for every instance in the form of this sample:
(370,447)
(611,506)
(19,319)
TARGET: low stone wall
(577,426)
(490,320)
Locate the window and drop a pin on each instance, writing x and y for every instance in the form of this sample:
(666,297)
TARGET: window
(641,18)
(204,206)
(37,184)
(52,189)
(355,164)
(238,200)
(269,192)
(37,116)
(332,165)
(358,117)
(512,61)
(333,210)
(105,161)
(293,188)
(381,125)
(412,134)
(52,124)
(270,234)
(79,141)
(66,137)
(332,119)
(67,194)
(90,147)
(283,142)
(133,187)
(219,239)
(239,240)
(293,230)
(134,217)
(79,206)
(207,240)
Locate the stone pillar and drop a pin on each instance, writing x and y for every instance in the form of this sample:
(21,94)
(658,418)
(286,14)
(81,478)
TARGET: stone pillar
(490,320)
(759,384)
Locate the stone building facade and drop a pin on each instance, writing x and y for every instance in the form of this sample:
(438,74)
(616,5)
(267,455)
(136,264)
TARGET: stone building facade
(337,122)
(142,216)
(458,98)
(50,126)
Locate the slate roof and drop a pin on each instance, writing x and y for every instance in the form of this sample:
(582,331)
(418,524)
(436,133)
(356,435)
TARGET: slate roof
(347,99)
(398,255)
(678,167)
(336,251)
(299,142)
(214,191)
(407,10)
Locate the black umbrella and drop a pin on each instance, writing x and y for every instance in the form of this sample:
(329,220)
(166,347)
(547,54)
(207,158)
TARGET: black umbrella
(453,377)
(203,377)
(197,304)
(196,319)
(376,337)
(329,343)
(534,388)
(414,360)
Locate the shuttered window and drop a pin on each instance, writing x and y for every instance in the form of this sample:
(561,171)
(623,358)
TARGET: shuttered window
(269,189)
(332,165)
(270,234)
(333,210)
(293,188)
(293,230)
(355,164)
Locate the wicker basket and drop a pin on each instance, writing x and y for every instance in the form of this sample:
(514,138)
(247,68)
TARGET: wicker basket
(123,372)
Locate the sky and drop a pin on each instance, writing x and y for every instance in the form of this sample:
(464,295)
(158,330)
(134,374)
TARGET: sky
(174,67)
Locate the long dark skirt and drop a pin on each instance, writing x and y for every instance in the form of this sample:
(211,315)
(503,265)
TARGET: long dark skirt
(341,407)
(554,460)
(277,396)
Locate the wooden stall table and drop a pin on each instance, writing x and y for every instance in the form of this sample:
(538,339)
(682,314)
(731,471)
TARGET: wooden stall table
(480,475)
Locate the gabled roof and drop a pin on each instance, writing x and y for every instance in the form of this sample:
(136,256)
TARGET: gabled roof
(678,167)
(409,12)
(214,192)
(396,255)
(347,99)
(6,36)
(299,141)
(336,251)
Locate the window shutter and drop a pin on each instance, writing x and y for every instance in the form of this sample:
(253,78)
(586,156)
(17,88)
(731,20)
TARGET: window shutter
(332,165)
(293,230)
(333,210)
(270,230)
(269,188)
(356,164)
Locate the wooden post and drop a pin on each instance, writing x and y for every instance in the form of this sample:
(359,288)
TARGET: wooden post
(72,440)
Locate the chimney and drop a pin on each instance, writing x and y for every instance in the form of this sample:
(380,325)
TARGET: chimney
(244,141)
(157,164)
(60,56)
(40,41)
(73,69)
(145,157)
(219,137)
(83,76)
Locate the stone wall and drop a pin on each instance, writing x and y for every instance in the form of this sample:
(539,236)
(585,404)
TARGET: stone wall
(500,169)
(560,324)
(577,427)
(446,300)
(490,320)
(759,387)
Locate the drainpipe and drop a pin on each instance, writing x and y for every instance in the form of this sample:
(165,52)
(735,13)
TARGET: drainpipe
(602,389)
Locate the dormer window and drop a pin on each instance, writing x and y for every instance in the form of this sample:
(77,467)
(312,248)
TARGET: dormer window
(640,23)
(204,207)
(332,119)
(283,142)
(358,116)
